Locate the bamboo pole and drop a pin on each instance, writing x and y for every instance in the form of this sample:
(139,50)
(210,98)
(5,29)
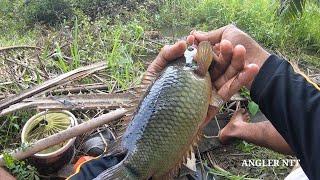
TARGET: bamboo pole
(65,135)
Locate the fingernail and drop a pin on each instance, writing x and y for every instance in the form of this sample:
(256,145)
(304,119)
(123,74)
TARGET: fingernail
(252,65)
(224,41)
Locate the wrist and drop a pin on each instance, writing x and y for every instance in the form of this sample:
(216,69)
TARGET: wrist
(262,57)
(259,59)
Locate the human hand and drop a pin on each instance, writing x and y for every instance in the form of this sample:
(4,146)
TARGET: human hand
(233,77)
(254,53)
(168,53)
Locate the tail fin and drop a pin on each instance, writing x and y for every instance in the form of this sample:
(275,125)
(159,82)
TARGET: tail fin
(118,172)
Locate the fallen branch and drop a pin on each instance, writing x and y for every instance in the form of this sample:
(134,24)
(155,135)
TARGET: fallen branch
(73,102)
(3,96)
(19,47)
(62,79)
(25,66)
(65,135)
(80,88)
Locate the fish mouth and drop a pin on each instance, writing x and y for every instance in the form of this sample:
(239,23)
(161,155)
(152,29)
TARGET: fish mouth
(189,54)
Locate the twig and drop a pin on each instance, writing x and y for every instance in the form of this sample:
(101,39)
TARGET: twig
(19,47)
(43,68)
(148,50)
(241,154)
(62,79)
(200,159)
(72,102)
(65,135)
(314,75)
(25,66)
(6,83)
(155,42)
(82,87)
(212,161)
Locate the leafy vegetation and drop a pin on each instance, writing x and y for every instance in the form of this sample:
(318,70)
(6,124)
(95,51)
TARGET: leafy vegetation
(20,169)
(296,39)
(46,11)
(79,32)
(294,8)
(11,127)
(252,106)
(218,171)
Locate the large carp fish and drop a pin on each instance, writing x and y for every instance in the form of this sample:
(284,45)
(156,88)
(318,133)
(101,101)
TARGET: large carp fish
(167,122)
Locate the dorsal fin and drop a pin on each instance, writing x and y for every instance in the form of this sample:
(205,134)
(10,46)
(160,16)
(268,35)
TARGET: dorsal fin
(203,58)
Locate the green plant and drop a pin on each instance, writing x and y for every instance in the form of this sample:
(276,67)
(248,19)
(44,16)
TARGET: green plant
(252,106)
(116,62)
(218,171)
(20,169)
(294,8)
(61,62)
(245,147)
(91,7)
(258,18)
(10,128)
(75,46)
(47,11)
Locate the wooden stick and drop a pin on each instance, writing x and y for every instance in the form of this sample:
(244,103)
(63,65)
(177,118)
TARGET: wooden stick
(62,79)
(73,102)
(65,135)
(19,47)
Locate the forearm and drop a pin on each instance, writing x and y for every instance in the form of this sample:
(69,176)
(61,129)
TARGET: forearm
(264,134)
(291,103)
(5,175)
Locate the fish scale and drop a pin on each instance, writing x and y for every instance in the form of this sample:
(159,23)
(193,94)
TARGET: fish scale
(165,125)
(166,122)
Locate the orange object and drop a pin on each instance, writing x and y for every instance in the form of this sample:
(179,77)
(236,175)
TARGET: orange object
(80,161)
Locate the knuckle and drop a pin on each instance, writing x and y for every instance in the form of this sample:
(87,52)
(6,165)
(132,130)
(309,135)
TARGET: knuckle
(165,47)
(231,26)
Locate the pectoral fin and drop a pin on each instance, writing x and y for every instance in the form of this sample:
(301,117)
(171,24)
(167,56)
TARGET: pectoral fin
(216,100)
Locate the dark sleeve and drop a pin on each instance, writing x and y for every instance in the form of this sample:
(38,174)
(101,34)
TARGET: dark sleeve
(292,103)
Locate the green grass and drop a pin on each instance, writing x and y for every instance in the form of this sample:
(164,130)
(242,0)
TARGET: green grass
(11,127)
(218,171)
(260,153)
(20,169)
(294,38)
(119,40)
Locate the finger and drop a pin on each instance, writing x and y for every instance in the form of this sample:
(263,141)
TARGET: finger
(216,48)
(167,53)
(190,40)
(195,41)
(237,64)
(223,61)
(244,78)
(213,36)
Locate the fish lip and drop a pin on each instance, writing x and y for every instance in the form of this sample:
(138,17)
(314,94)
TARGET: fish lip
(189,54)
(190,67)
